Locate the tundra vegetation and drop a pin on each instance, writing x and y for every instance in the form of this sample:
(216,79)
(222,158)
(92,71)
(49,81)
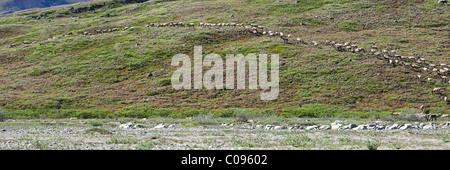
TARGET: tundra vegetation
(110,59)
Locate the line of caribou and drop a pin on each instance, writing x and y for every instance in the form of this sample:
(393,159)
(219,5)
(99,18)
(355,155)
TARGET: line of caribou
(391,57)
(440,70)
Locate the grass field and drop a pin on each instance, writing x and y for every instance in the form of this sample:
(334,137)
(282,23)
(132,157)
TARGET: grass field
(106,75)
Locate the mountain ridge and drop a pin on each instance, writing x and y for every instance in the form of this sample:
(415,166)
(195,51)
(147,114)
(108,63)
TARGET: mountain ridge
(10,6)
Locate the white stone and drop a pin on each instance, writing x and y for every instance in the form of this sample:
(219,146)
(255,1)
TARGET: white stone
(279,127)
(325,127)
(429,127)
(351,126)
(392,127)
(337,122)
(336,126)
(140,126)
(128,125)
(361,127)
(421,125)
(405,126)
(160,126)
(446,125)
(259,127)
(314,127)
(269,127)
(379,127)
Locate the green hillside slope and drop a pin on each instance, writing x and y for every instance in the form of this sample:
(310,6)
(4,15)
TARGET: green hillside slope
(62,61)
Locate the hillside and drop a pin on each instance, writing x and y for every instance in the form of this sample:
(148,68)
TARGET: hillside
(67,61)
(8,6)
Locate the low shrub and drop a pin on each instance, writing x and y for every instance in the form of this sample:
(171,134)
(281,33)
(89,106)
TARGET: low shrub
(242,115)
(59,113)
(205,119)
(347,25)
(92,114)
(99,130)
(314,110)
(3,115)
(409,114)
(372,144)
(185,113)
(95,123)
(38,72)
(142,110)
(165,82)
(224,113)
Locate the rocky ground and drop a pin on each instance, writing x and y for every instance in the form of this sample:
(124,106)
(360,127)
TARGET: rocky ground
(65,134)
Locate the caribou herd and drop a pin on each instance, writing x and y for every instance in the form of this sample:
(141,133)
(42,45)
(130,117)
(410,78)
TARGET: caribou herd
(418,64)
